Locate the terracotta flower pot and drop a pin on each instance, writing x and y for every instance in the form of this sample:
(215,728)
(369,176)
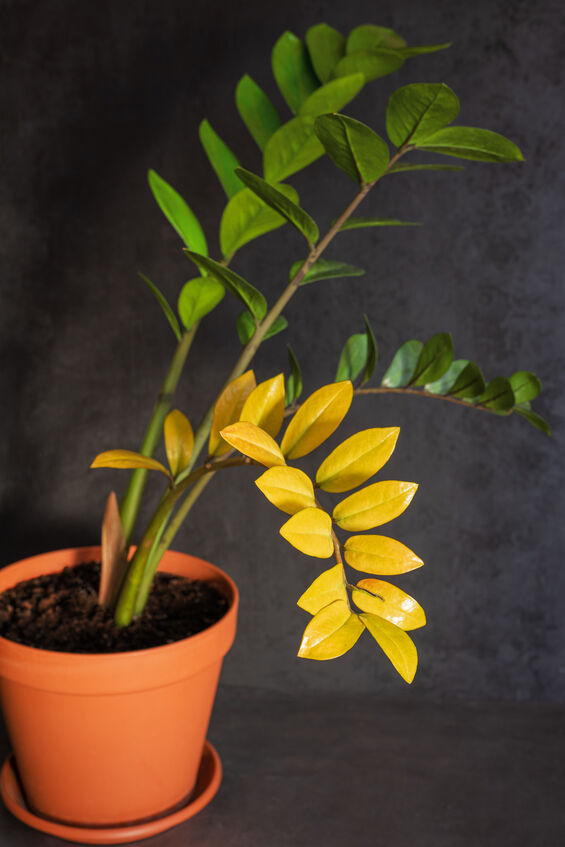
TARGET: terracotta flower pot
(105,740)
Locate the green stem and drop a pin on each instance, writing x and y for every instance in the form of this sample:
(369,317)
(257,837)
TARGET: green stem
(181,513)
(161,544)
(127,602)
(132,498)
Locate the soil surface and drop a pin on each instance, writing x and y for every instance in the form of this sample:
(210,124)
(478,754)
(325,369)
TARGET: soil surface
(60,612)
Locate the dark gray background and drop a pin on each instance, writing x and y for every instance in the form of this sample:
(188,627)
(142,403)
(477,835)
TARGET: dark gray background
(92,95)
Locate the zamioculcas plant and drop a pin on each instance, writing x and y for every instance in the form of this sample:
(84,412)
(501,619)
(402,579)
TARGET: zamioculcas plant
(317,79)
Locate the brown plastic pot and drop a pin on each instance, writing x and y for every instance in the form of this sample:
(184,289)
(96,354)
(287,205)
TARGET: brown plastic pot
(105,740)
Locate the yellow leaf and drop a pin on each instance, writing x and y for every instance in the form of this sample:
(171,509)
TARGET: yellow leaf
(391,603)
(379,554)
(228,409)
(374,505)
(289,489)
(128,459)
(179,441)
(317,418)
(265,405)
(253,442)
(329,586)
(331,632)
(310,531)
(398,646)
(357,458)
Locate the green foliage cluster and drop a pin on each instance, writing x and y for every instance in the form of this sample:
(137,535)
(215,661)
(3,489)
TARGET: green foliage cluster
(317,79)
(431,368)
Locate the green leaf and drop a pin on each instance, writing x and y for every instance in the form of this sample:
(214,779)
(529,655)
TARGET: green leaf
(498,395)
(325,269)
(162,301)
(293,70)
(462,379)
(326,47)
(294,381)
(359,222)
(435,358)
(372,64)
(221,158)
(247,217)
(371,37)
(243,290)
(246,327)
(333,96)
(198,297)
(414,112)
(354,147)
(291,148)
(401,370)
(408,52)
(353,357)
(178,213)
(443,384)
(535,419)
(256,111)
(470,382)
(296,216)
(466,142)
(525,385)
(371,362)
(402,168)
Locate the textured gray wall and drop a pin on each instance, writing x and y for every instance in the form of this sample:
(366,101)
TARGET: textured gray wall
(92,95)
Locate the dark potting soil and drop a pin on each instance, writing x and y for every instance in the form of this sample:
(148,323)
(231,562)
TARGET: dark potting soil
(60,612)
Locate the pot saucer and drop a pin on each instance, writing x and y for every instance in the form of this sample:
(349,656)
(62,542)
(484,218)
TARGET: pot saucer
(207,784)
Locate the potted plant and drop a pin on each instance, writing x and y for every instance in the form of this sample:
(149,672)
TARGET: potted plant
(72,711)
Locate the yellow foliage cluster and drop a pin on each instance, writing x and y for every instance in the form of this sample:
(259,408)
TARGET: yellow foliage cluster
(249,419)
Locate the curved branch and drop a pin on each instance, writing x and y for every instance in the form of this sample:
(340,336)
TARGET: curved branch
(419,392)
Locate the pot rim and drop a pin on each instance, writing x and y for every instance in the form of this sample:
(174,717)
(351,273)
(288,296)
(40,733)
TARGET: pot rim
(100,673)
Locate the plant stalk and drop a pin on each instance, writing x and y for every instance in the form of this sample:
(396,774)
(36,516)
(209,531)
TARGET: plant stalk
(181,513)
(126,606)
(132,498)
(162,545)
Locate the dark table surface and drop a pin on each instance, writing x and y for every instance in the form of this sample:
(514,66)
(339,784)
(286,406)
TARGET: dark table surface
(323,771)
